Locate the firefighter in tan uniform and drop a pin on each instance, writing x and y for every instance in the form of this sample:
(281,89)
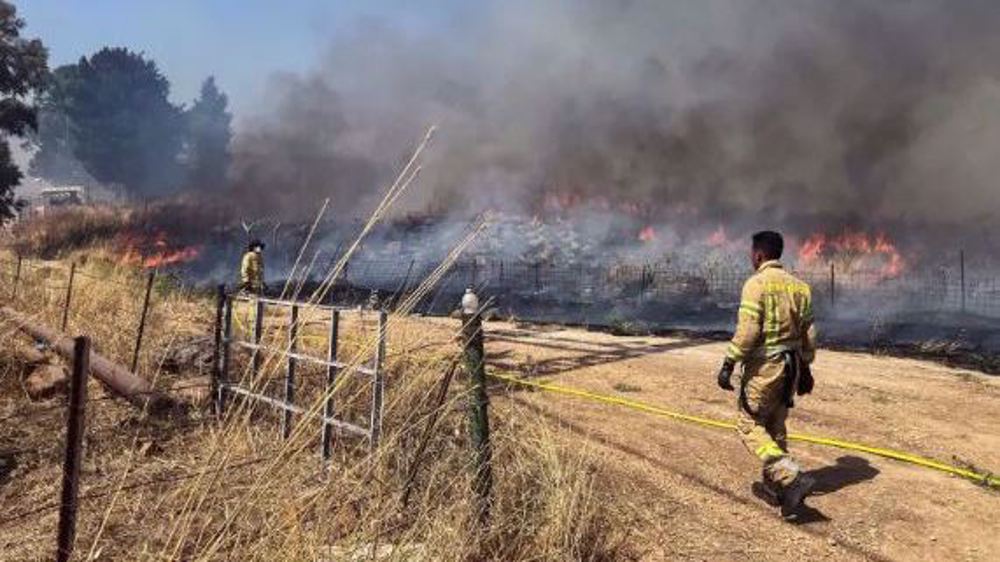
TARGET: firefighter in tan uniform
(252,268)
(776,342)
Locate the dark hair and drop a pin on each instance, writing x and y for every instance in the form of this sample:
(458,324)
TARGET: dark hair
(769,243)
(254,244)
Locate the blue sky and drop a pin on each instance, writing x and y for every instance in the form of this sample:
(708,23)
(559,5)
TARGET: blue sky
(241,42)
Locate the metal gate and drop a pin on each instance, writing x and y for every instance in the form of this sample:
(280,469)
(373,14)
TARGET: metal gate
(222,386)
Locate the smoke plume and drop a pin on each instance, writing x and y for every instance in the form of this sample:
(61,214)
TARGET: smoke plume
(743,112)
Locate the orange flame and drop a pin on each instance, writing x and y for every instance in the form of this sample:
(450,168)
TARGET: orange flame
(718,238)
(855,250)
(647,234)
(161,255)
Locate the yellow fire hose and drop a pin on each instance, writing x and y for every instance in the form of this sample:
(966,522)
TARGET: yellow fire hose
(984,479)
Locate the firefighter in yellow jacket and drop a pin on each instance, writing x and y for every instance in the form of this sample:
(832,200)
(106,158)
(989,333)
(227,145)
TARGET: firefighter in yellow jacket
(776,342)
(252,268)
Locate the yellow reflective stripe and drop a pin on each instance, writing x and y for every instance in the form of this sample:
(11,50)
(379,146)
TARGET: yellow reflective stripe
(751,309)
(769,450)
(772,287)
(807,318)
(734,352)
(771,324)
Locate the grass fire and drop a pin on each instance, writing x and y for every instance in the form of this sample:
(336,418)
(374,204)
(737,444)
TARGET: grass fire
(574,280)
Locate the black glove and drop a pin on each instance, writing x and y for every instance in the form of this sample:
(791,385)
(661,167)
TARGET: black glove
(726,373)
(806,380)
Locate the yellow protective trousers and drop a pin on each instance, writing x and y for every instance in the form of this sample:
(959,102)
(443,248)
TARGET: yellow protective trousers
(764,433)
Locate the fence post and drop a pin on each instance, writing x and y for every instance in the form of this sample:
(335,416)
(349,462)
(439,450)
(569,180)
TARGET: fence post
(833,287)
(961,262)
(227,338)
(69,295)
(17,278)
(258,332)
(142,319)
(378,382)
(293,347)
(220,304)
(331,382)
(474,358)
(74,448)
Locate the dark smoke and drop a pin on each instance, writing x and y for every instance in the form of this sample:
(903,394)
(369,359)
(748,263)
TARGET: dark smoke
(739,112)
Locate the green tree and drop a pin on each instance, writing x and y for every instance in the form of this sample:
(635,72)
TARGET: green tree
(23,67)
(209,130)
(112,112)
(55,160)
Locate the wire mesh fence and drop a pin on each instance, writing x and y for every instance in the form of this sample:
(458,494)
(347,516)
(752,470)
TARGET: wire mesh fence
(534,288)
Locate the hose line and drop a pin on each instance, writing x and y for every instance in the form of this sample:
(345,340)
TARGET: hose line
(982,478)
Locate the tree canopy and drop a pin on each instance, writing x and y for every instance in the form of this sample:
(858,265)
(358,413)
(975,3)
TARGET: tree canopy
(23,68)
(112,113)
(209,130)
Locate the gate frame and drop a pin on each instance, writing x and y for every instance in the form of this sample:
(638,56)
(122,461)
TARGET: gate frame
(225,340)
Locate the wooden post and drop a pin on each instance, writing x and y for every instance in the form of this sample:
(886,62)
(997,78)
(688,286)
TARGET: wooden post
(258,333)
(69,296)
(142,319)
(17,278)
(401,290)
(479,420)
(961,263)
(293,347)
(331,382)
(75,424)
(116,378)
(227,338)
(833,287)
(378,382)
(220,305)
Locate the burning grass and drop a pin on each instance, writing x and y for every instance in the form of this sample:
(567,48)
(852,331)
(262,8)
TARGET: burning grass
(159,234)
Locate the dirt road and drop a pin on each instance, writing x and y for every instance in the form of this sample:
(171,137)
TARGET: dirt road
(692,484)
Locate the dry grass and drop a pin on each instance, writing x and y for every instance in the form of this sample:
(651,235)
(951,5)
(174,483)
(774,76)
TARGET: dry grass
(63,231)
(59,231)
(550,502)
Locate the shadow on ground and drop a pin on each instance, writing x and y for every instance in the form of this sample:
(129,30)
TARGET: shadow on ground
(581,354)
(848,471)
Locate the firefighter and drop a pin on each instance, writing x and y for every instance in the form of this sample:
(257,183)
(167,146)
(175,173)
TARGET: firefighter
(252,268)
(776,342)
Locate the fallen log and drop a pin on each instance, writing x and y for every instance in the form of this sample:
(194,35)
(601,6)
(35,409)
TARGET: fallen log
(136,390)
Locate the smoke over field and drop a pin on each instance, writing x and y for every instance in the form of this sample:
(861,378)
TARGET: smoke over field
(809,115)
